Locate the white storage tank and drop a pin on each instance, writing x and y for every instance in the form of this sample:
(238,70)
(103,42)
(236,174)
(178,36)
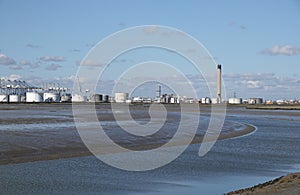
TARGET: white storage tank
(51,97)
(14,98)
(214,100)
(78,98)
(3,98)
(235,101)
(121,97)
(34,97)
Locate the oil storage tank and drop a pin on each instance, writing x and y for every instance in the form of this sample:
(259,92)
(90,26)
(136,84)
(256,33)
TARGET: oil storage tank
(14,98)
(121,97)
(97,98)
(3,98)
(51,97)
(34,96)
(78,98)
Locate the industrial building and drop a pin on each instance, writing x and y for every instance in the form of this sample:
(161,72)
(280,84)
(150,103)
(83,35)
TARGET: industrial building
(121,97)
(255,101)
(17,91)
(235,101)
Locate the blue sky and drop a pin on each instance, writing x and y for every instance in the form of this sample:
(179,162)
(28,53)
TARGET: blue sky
(257,42)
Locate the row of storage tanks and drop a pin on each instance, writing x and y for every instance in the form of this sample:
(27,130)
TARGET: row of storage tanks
(36,97)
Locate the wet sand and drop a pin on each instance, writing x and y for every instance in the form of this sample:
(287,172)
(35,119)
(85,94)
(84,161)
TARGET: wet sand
(18,146)
(285,185)
(274,107)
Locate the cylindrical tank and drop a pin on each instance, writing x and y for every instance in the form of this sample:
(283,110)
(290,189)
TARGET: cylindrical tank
(173,100)
(255,101)
(207,100)
(14,98)
(51,97)
(23,98)
(65,98)
(121,97)
(34,97)
(97,98)
(3,98)
(235,100)
(106,98)
(78,98)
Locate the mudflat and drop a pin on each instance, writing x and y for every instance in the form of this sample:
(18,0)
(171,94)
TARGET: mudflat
(33,132)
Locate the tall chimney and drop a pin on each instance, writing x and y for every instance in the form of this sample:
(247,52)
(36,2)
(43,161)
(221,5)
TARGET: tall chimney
(219,98)
(158,91)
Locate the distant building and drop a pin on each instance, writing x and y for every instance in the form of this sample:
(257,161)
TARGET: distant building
(255,101)
(235,101)
(205,100)
(121,97)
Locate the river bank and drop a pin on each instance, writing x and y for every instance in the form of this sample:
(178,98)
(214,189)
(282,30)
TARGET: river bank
(285,185)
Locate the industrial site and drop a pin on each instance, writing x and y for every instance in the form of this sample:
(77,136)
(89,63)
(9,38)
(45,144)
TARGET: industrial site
(17,91)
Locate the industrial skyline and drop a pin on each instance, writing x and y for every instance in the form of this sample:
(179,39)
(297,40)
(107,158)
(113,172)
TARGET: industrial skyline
(257,42)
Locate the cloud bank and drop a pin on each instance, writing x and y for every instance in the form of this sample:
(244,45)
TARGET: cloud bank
(286,50)
(52,58)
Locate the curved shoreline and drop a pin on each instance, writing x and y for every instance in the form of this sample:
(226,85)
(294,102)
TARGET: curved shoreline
(289,184)
(18,146)
(70,148)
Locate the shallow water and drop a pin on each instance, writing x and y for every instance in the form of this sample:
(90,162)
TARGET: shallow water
(271,151)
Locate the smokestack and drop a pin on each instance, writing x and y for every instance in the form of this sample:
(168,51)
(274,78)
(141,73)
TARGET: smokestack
(219,98)
(158,91)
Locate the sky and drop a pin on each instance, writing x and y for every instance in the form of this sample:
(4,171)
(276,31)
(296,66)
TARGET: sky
(257,42)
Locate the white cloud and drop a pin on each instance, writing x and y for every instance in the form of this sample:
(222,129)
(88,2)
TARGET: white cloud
(24,62)
(287,50)
(266,85)
(252,84)
(5,60)
(52,58)
(89,62)
(53,67)
(12,77)
(15,67)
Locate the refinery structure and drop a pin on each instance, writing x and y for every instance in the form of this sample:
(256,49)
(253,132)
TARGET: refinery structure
(17,91)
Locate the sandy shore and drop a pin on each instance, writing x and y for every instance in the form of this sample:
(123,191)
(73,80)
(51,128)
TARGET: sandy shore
(34,145)
(285,185)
